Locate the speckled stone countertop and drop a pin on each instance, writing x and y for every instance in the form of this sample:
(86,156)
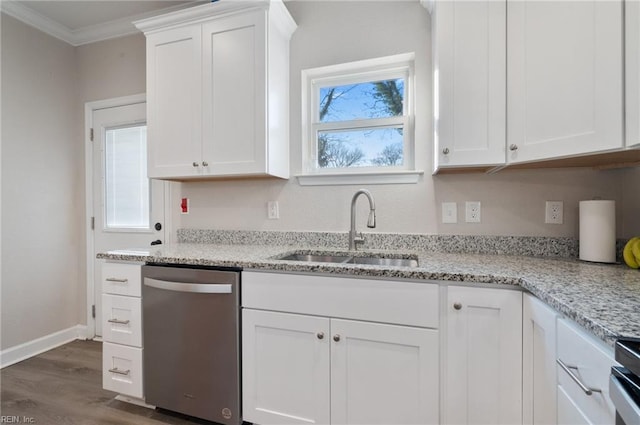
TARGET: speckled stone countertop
(604,299)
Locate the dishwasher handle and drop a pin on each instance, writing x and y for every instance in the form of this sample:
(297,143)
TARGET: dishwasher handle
(199,288)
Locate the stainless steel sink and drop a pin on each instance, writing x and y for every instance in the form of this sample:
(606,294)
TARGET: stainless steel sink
(378,260)
(319,258)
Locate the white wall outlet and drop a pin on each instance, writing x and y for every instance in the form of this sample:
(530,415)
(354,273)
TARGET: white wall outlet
(553,212)
(472,211)
(273,210)
(449,212)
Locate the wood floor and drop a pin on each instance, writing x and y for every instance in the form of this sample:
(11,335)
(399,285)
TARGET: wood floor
(64,386)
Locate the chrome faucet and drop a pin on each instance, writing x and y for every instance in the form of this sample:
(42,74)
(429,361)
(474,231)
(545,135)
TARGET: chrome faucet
(354,237)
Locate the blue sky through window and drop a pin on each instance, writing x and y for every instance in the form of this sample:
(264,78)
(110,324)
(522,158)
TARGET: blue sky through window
(375,146)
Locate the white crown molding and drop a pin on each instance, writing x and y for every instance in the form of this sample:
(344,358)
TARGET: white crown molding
(30,17)
(86,35)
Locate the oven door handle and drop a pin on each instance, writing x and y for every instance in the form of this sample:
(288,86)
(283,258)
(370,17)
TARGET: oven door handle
(626,407)
(199,288)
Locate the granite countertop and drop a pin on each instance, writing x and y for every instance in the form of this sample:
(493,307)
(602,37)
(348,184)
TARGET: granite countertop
(603,298)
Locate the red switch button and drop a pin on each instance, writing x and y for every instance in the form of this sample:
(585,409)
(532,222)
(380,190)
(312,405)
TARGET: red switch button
(184,205)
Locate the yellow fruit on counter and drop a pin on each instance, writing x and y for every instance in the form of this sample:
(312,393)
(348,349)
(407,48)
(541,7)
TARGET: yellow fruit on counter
(635,248)
(629,257)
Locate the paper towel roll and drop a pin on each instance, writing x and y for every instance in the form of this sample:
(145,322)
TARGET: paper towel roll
(598,231)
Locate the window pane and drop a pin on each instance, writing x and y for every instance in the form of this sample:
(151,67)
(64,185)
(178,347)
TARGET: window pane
(126,183)
(380,147)
(375,99)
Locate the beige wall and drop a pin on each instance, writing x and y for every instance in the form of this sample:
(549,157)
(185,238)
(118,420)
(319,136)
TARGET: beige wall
(42,208)
(630,185)
(111,68)
(45,85)
(512,202)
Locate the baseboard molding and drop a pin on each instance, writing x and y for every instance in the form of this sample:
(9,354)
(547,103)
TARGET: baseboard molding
(134,400)
(29,349)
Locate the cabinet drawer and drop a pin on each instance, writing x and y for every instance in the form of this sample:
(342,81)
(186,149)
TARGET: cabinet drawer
(122,320)
(394,302)
(121,279)
(590,361)
(122,369)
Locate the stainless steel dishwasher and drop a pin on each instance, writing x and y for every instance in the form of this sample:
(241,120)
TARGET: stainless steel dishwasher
(192,341)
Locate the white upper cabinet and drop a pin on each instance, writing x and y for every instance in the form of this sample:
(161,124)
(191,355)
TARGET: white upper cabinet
(218,90)
(469,83)
(528,81)
(564,78)
(632,71)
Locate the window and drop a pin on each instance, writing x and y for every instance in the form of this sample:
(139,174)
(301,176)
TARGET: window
(358,120)
(126,184)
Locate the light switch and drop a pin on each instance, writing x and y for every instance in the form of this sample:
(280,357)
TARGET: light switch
(449,212)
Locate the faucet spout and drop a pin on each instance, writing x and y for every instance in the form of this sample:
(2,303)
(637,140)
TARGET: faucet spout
(354,239)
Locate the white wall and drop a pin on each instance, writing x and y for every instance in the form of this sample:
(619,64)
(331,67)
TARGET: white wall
(41,192)
(335,32)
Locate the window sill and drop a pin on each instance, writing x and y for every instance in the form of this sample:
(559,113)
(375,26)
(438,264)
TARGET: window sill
(391,177)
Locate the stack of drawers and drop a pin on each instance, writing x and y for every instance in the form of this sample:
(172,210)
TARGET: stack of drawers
(122,328)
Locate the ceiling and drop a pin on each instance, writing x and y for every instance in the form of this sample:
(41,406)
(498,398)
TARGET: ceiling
(87,21)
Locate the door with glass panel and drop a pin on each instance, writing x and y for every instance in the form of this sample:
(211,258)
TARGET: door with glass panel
(128,208)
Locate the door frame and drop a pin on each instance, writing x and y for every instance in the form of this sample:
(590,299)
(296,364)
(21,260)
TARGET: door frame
(89,109)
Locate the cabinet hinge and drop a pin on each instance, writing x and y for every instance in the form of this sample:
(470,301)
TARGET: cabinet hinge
(91,134)
(93,311)
(93,223)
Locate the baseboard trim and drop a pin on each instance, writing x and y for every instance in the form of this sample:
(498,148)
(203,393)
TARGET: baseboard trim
(29,349)
(134,400)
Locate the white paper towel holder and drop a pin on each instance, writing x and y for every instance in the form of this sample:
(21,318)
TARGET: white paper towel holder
(597,243)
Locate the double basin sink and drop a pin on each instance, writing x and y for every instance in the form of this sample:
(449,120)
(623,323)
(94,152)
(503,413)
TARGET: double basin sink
(372,259)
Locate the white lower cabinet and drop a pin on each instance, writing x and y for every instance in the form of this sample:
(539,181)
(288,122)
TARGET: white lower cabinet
(539,362)
(305,369)
(584,366)
(122,328)
(483,356)
(323,369)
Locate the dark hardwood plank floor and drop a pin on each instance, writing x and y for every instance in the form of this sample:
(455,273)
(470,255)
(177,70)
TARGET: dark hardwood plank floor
(64,386)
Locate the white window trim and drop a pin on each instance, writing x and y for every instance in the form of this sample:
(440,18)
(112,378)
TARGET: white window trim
(383,68)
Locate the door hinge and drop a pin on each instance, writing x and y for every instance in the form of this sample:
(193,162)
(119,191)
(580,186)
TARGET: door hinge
(91,134)
(93,311)
(93,223)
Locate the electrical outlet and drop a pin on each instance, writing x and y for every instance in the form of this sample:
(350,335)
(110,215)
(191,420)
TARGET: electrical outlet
(472,211)
(553,212)
(449,212)
(273,211)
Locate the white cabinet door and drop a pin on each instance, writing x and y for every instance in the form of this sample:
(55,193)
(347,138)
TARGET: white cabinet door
(564,78)
(483,361)
(469,82)
(234,90)
(285,361)
(383,374)
(539,362)
(174,109)
(632,71)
